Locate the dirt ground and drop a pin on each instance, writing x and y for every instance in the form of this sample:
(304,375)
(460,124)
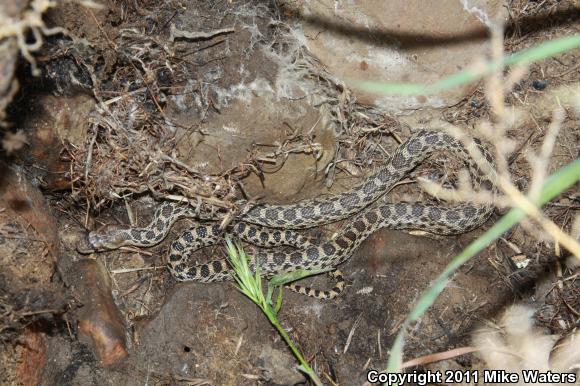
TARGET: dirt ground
(127,111)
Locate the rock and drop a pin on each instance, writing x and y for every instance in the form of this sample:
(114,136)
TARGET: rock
(53,121)
(29,248)
(258,125)
(26,202)
(34,357)
(212,332)
(280,367)
(540,84)
(398,41)
(100,320)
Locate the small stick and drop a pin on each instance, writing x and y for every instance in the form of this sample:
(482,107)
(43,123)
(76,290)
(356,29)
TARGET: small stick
(176,33)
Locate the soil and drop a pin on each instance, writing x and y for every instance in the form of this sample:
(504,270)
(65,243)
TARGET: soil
(247,112)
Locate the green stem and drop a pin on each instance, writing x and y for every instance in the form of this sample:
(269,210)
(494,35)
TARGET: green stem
(306,368)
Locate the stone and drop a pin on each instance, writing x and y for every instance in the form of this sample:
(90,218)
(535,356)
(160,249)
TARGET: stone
(259,125)
(399,41)
(280,367)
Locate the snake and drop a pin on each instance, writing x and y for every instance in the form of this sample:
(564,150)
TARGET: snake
(276,227)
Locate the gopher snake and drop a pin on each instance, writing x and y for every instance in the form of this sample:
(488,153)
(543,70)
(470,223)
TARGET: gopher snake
(270,225)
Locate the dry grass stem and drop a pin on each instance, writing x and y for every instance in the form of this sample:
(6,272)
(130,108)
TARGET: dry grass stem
(539,162)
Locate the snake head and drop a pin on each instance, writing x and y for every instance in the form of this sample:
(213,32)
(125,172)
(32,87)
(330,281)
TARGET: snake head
(106,241)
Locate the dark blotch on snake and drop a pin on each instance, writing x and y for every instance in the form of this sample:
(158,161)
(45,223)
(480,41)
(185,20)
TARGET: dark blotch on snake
(241,227)
(252,232)
(341,242)
(277,236)
(166,210)
(349,200)
(415,146)
(204,270)
(435,213)
(264,237)
(150,235)
(174,257)
(327,207)
(215,229)
(217,266)
(481,210)
(452,215)
(279,258)
(312,254)
(386,212)
(192,272)
(488,157)
(384,175)
(289,214)
(486,185)
(271,214)
(177,246)
(400,209)
(201,231)
(469,211)
(307,212)
(135,234)
(359,225)
(448,138)
(261,258)
(432,138)
(350,235)
(371,217)
(417,210)
(328,249)
(295,257)
(159,225)
(316,218)
(369,187)
(399,161)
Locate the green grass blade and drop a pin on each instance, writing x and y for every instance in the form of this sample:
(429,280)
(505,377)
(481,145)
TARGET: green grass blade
(250,284)
(396,354)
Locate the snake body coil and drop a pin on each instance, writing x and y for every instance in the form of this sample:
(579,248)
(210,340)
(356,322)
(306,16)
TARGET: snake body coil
(270,225)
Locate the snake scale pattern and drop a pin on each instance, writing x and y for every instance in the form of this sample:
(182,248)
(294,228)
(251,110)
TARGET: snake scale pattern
(275,225)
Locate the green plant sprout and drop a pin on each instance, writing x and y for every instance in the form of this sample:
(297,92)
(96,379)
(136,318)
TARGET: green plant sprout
(250,284)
